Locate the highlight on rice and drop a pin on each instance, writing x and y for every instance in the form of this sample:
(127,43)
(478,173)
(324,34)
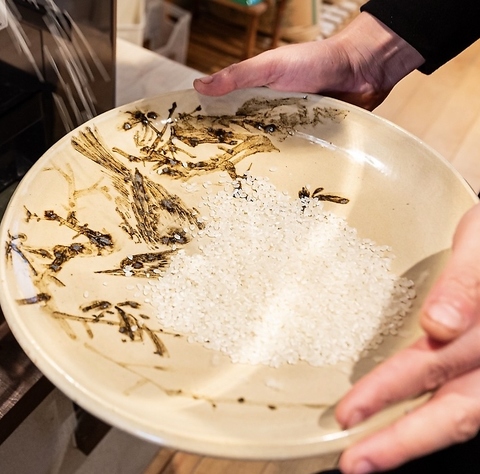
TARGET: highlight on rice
(278,280)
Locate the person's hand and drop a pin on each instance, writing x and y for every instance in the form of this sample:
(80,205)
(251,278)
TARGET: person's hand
(453,304)
(360,65)
(446,361)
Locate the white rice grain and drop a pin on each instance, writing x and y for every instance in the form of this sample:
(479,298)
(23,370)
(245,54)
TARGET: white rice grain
(279,280)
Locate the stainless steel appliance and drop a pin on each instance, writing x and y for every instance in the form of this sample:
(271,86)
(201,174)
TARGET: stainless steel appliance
(57,70)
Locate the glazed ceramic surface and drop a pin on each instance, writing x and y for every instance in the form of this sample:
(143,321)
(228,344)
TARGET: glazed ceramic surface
(84,231)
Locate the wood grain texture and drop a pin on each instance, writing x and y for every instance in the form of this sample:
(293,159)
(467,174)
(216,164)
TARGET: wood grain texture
(443,110)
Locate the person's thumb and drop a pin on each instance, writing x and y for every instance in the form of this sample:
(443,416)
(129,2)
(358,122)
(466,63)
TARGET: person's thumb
(453,304)
(253,72)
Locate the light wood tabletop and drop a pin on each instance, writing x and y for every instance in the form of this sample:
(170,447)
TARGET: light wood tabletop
(443,110)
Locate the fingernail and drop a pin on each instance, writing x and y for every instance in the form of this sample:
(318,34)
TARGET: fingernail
(205,79)
(362,467)
(355,418)
(446,315)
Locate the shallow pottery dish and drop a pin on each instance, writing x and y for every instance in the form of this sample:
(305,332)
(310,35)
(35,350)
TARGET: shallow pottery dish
(80,233)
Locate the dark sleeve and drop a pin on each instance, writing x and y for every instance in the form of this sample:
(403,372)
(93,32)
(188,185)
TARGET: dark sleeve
(437,29)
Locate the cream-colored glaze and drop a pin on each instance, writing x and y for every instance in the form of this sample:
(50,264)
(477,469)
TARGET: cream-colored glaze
(402,194)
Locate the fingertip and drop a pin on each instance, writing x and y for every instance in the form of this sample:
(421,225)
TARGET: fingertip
(206,80)
(357,417)
(360,466)
(443,322)
(217,84)
(204,85)
(347,416)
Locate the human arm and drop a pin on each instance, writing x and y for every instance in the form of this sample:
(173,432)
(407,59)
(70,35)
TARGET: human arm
(438,29)
(360,65)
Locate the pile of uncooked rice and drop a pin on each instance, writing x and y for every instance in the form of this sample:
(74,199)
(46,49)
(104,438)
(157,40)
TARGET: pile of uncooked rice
(279,280)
